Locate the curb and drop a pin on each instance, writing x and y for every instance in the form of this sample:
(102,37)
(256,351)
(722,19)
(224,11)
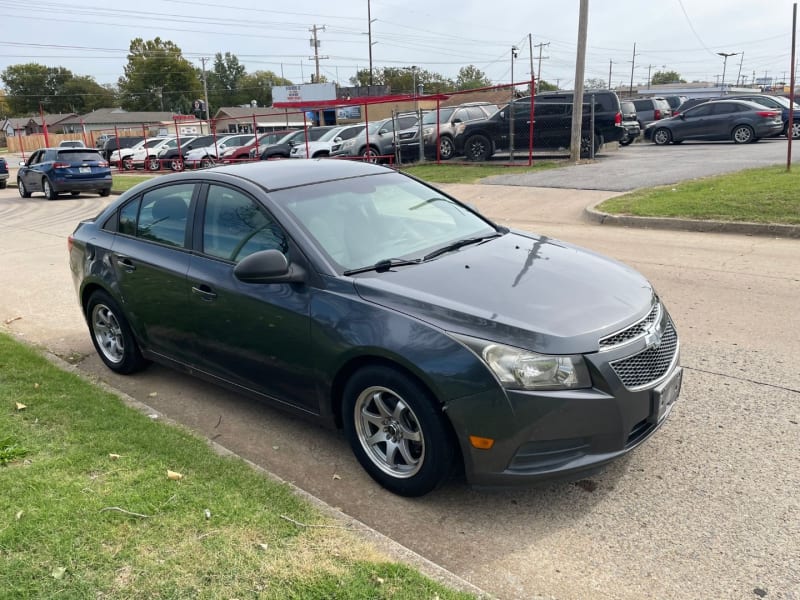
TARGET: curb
(676,224)
(394,550)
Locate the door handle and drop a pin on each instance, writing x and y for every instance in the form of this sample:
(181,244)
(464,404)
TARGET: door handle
(204,291)
(126,263)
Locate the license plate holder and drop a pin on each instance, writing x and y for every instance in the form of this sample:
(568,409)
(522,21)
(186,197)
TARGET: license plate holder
(665,395)
(85,170)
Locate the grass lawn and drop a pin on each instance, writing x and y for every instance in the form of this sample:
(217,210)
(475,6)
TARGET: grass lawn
(88,508)
(766,195)
(461,173)
(122,183)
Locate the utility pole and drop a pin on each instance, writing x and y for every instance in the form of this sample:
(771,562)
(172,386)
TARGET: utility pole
(633,64)
(530,56)
(539,73)
(649,68)
(610,62)
(739,76)
(314,42)
(577,98)
(369,33)
(725,56)
(205,95)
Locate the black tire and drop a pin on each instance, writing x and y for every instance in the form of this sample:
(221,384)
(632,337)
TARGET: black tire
(477,148)
(206,162)
(105,192)
(111,335)
(23,191)
(73,194)
(371,154)
(127,163)
(587,143)
(446,148)
(403,465)
(3,184)
(47,187)
(662,136)
(743,134)
(153,164)
(177,165)
(626,141)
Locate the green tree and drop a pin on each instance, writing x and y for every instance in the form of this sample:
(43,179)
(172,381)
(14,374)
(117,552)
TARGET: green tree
(545,86)
(158,77)
(258,86)
(84,94)
(225,81)
(29,84)
(595,83)
(471,77)
(401,79)
(666,77)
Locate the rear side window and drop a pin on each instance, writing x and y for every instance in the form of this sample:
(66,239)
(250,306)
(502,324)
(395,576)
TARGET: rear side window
(643,105)
(160,215)
(69,155)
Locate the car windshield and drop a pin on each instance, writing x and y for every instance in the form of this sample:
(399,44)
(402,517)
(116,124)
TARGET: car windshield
(785,102)
(368,220)
(329,135)
(78,155)
(201,141)
(444,116)
(151,143)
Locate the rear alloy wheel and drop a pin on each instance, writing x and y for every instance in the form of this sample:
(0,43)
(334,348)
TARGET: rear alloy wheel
(112,336)
(206,162)
(446,148)
(176,164)
(662,136)
(795,130)
(127,163)
(743,134)
(153,164)
(48,190)
(397,431)
(478,148)
(23,191)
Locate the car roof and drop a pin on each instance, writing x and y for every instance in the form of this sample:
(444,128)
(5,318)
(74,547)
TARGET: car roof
(281,174)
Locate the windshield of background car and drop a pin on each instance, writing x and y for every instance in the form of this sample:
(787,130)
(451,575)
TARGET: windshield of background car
(444,116)
(329,135)
(151,143)
(202,141)
(78,155)
(360,221)
(783,101)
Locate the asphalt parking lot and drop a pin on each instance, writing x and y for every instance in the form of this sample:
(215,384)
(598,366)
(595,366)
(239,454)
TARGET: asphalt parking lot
(708,508)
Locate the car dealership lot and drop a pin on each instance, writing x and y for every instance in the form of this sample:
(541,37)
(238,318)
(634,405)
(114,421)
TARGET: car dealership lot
(707,508)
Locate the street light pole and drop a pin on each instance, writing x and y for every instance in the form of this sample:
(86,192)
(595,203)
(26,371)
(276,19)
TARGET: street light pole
(514,51)
(725,56)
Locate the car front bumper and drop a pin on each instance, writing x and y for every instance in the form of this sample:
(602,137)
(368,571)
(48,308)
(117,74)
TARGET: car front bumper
(554,434)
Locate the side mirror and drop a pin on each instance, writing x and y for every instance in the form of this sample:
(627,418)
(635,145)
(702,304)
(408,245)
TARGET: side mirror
(268,266)
(456,121)
(502,114)
(22,163)
(682,116)
(337,139)
(383,132)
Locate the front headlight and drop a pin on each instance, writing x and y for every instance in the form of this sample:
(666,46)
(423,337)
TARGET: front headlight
(428,131)
(523,369)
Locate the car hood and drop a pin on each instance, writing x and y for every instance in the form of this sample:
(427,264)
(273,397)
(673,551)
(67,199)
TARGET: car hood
(527,291)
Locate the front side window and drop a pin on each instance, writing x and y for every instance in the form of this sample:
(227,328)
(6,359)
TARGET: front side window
(234,226)
(163,214)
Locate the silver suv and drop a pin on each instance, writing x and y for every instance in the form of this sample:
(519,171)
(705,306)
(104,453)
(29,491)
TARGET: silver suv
(377,140)
(452,120)
(651,109)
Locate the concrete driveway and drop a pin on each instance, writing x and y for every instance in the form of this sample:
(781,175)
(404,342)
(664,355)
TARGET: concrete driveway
(708,508)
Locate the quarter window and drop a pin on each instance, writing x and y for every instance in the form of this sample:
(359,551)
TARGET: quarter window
(235,226)
(163,214)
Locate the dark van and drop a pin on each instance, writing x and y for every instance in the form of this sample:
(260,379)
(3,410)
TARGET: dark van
(551,127)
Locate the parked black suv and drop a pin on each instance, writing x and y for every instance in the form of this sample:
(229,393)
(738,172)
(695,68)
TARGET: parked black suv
(552,125)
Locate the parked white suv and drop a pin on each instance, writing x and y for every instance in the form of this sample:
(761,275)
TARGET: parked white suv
(208,155)
(322,147)
(137,154)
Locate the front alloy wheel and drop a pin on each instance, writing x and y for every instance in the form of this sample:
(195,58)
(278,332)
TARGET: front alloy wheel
(661,136)
(397,431)
(446,148)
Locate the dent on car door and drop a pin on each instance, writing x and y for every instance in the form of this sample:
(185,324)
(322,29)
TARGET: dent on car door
(252,334)
(150,261)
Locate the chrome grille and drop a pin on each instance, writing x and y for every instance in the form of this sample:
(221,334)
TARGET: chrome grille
(632,332)
(650,364)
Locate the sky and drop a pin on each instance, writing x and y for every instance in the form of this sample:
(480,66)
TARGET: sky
(439,36)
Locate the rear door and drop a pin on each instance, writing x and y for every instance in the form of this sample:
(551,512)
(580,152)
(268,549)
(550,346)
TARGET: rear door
(150,258)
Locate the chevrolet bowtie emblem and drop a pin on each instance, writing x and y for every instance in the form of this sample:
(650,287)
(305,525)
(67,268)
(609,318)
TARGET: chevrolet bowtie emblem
(652,336)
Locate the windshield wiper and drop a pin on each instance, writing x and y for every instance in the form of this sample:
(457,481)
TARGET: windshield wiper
(384,265)
(458,244)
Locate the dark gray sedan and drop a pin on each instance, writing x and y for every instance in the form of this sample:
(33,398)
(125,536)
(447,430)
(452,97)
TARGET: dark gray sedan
(738,120)
(365,299)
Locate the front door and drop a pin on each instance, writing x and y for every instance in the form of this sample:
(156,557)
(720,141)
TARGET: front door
(255,335)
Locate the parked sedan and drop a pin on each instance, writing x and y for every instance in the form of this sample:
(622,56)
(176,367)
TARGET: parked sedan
(362,298)
(737,120)
(53,171)
(3,173)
